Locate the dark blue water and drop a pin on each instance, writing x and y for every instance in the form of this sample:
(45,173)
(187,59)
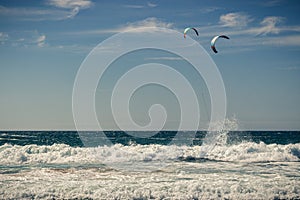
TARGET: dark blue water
(72,138)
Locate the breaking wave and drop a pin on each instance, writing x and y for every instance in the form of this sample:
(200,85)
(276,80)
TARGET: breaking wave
(65,154)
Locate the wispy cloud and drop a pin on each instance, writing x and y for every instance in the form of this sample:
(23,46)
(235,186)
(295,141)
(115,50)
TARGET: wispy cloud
(21,11)
(3,37)
(33,14)
(72,48)
(289,68)
(269,25)
(40,41)
(250,33)
(271,3)
(150,22)
(71,3)
(234,20)
(74,5)
(151,5)
(146,25)
(209,9)
(140,6)
(279,41)
(243,25)
(293,40)
(58,10)
(23,39)
(165,58)
(134,6)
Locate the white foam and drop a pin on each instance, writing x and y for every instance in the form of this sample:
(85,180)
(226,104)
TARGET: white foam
(179,181)
(34,154)
(61,153)
(256,152)
(249,176)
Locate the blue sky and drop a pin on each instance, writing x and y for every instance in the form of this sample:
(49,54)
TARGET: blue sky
(43,43)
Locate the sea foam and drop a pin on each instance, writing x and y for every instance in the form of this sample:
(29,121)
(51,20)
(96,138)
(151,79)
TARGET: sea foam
(61,153)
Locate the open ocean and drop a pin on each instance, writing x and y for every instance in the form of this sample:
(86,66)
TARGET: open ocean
(242,165)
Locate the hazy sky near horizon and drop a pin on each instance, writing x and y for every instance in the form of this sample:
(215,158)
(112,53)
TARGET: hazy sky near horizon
(43,43)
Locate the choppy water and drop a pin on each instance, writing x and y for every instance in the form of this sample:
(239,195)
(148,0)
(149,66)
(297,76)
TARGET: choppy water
(243,165)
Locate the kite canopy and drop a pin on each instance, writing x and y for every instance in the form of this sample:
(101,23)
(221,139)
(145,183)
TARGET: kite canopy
(187,29)
(214,40)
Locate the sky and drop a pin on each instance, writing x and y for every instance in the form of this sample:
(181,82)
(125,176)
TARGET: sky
(43,44)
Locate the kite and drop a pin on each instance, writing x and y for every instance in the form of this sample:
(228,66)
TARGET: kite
(214,40)
(187,29)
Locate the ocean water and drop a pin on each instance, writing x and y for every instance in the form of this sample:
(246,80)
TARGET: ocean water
(237,165)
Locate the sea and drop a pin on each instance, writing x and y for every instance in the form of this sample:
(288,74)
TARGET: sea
(237,165)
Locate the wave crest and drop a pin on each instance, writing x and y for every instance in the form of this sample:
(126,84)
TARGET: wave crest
(64,154)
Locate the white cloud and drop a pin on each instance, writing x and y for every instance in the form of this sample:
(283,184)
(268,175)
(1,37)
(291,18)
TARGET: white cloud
(209,9)
(134,6)
(74,5)
(23,11)
(271,3)
(267,32)
(40,41)
(38,14)
(165,58)
(24,39)
(71,4)
(269,25)
(140,6)
(146,25)
(150,22)
(151,5)
(234,20)
(253,43)
(293,40)
(73,12)
(3,37)
(63,9)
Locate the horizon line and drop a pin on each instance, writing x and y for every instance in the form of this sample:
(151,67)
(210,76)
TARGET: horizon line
(74,130)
